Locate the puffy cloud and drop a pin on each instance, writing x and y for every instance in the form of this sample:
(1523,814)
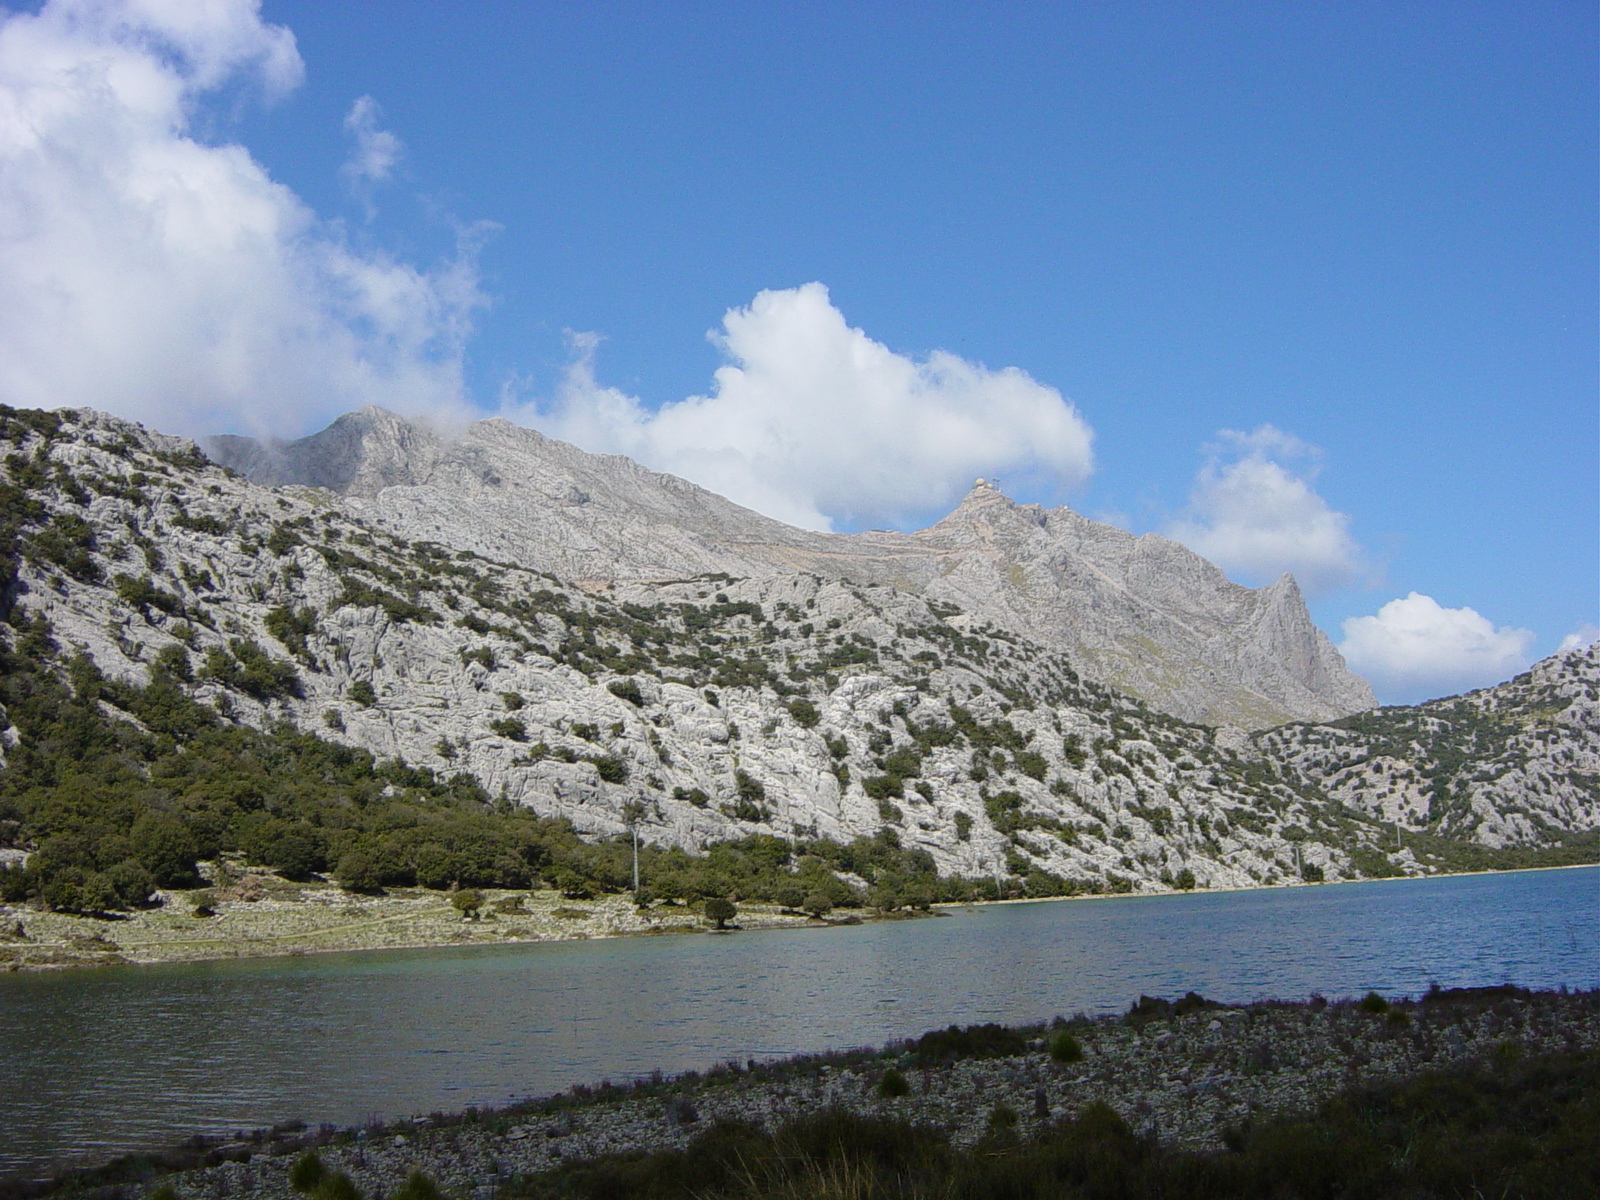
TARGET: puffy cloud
(1254,512)
(171,280)
(1580,638)
(812,422)
(1414,649)
(376,150)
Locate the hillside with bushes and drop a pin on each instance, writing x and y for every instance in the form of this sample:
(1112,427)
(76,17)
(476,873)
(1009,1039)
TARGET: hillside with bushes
(198,666)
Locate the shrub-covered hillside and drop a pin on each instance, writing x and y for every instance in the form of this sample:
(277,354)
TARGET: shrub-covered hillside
(196,665)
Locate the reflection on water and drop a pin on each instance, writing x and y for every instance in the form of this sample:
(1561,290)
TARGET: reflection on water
(113,1060)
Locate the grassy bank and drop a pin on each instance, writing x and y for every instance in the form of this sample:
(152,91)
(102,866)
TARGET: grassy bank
(282,917)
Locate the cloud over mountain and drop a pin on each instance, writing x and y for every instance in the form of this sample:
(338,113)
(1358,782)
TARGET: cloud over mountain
(145,268)
(1253,511)
(815,423)
(1414,649)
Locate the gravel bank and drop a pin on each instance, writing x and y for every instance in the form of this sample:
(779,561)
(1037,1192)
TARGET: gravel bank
(1184,1079)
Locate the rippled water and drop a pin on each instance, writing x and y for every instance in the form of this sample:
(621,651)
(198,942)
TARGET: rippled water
(101,1062)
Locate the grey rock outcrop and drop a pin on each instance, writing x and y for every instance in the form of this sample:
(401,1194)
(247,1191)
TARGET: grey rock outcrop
(1142,614)
(792,703)
(1501,766)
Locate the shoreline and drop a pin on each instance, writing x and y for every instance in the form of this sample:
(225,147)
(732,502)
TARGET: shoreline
(290,920)
(1183,1075)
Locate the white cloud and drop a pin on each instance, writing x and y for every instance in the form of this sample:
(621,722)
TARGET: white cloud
(812,422)
(1414,649)
(171,280)
(1254,512)
(376,150)
(1580,638)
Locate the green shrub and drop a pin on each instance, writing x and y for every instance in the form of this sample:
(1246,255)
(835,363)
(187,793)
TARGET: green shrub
(417,1187)
(893,1084)
(818,904)
(361,692)
(291,626)
(336,1186)
(1032,764)
(307,1172)
(612,768)
(246,667)
(467,902)
(973,1041)
(904,763)
(626,689)
(883,787)
(804,713)
(511,728)
(1373,1003)
(1064,1048)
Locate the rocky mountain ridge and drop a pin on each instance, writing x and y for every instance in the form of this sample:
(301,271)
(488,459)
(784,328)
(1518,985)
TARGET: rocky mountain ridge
(793,704)
(1142,614)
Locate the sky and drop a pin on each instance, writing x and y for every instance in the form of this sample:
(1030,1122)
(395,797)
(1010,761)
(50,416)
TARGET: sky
(1310,288)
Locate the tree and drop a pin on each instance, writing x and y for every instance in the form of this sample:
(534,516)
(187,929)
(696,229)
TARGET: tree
(166,848)
(721,911)
(467,902)
(359,871)
(818,904)
(632,814)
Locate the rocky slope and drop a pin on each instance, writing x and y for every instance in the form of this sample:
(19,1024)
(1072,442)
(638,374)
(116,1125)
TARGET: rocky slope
(1508,764)
(796,703)
(1142,614)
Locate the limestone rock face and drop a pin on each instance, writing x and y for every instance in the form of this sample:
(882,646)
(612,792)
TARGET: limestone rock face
(1142,614)
(905,686)
(1497,766)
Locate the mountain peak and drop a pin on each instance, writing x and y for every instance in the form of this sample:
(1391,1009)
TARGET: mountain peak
(1145,615)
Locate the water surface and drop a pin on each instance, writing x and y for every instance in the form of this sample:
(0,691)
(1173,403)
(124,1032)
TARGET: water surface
(100,1062)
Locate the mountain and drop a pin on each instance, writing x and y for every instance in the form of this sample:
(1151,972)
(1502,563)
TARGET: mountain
(396,682)
(1515,763)
(1142,614)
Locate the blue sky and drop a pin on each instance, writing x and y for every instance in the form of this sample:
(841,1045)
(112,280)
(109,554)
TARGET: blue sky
(1361,237)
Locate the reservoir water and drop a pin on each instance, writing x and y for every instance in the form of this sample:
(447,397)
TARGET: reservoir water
(95,1063)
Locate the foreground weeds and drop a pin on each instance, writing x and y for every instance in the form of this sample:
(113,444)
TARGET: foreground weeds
(1527,1129)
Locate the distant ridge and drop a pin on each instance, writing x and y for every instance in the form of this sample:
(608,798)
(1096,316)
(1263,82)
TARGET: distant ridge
(1141,613)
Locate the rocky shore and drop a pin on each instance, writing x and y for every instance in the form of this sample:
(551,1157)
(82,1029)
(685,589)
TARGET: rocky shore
(1186,1074)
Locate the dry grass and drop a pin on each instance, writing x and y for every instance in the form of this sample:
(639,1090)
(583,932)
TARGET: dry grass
(293,918)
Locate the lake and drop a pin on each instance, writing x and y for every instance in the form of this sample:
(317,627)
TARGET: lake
(101,1062)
